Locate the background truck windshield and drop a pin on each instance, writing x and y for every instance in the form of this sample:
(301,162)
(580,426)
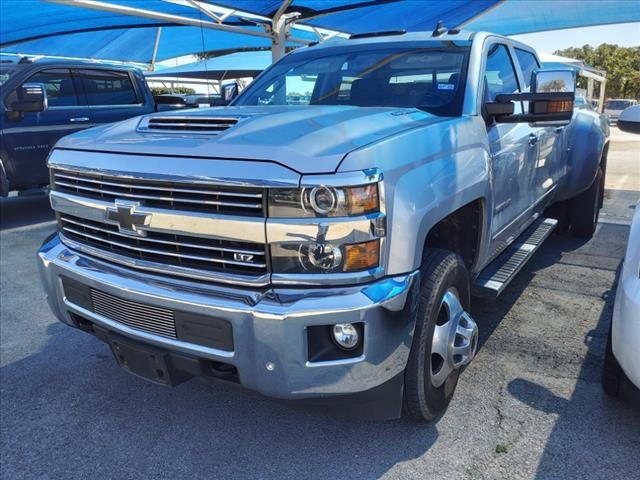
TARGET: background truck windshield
(431,79)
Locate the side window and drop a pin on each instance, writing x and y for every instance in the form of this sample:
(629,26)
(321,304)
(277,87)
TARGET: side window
(528,63)
(107,87)
(59,85)
(500,75)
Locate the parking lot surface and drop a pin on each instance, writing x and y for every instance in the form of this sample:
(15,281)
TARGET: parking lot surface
(529,406)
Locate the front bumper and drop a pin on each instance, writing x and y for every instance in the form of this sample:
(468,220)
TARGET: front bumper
(269,327)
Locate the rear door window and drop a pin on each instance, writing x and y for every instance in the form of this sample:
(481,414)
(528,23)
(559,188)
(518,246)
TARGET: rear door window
(108,87)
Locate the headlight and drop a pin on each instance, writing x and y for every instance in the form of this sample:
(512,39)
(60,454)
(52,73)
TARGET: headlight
(324,201)
(324,257)
(330,224)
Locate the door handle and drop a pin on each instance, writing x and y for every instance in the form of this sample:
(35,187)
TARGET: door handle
(533,139)
(79,119)
(558,130)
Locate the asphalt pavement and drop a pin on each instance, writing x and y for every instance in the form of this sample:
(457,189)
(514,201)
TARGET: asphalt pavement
(529,406)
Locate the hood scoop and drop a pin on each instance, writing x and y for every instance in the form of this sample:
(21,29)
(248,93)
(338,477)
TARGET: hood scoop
(195,124)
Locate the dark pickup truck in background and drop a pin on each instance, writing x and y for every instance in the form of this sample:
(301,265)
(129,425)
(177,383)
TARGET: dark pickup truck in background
(79,95)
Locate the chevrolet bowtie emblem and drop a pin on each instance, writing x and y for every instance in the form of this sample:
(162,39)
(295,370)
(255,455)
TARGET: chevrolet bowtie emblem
(124,214)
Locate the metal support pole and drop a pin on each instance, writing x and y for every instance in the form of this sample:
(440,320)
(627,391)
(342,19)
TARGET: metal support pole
(603,84)
(279,30)
(590,88)
(279,40)
(155,49)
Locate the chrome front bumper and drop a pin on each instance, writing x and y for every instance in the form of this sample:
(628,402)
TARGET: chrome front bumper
(269,327)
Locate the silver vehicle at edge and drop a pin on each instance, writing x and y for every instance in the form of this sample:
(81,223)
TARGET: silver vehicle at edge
(622,356)
(328,250)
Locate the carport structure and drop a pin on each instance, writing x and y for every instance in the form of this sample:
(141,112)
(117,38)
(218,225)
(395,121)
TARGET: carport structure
(161,29)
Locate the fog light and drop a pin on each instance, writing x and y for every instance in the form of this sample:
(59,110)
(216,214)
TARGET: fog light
(346,336)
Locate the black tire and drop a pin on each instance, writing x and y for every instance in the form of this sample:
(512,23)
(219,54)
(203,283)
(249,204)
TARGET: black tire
(441,270)
(613,378)
(585,208)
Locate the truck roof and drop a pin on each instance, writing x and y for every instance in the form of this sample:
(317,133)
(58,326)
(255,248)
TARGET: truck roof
(376,38)
(26,62)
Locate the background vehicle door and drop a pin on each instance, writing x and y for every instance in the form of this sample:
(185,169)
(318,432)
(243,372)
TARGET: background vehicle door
(28,140)
(514,151)
(551,164)
(110,95)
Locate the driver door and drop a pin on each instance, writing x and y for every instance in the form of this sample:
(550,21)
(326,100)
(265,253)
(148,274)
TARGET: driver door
(514,151)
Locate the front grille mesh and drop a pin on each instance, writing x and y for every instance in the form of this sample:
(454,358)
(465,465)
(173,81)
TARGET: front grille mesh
(159,321)
(240,201)
(168,249)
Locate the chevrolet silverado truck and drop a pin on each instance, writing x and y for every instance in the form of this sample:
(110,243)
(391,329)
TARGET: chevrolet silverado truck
(79,95)
(325,251)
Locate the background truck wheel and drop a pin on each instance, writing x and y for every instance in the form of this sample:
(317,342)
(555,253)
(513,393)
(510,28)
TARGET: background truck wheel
(613,378)
(445,336)
(585,208)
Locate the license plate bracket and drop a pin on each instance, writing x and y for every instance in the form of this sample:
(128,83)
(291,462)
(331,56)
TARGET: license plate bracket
(148,362)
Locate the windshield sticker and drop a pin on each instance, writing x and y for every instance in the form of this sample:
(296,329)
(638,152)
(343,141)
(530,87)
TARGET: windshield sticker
(446,86)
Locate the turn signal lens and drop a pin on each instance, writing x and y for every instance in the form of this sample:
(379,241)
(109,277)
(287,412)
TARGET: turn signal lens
(361,256)
(560,106)
(363,199)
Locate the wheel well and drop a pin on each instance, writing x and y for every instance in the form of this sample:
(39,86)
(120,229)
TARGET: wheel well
(459,232)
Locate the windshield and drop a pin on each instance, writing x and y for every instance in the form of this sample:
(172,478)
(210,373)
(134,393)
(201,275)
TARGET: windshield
(618,104)
(5,74)
(428,78)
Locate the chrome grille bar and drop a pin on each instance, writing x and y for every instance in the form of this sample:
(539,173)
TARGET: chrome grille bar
(159,187)
(237,201)
(155,240)
(168,249)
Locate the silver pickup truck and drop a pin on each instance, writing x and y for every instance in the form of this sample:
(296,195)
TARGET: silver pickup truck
(326,250)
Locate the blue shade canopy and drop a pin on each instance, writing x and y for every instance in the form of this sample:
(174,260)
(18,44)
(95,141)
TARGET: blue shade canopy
(235,65)
(516,16)
(44,28)
(136,44)
(412,15)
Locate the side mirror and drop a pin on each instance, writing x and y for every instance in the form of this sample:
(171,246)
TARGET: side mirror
(629,119)
(229,92)
(551,100)
(31,97)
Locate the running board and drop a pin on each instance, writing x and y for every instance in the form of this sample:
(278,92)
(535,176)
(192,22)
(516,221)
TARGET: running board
(497,275)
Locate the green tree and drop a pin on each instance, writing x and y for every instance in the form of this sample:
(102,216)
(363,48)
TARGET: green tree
(622,65)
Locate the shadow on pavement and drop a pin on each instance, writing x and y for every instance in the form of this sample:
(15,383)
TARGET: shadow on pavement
(25,210)
(92,417)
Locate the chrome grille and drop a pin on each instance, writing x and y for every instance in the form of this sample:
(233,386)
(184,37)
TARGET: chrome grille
(241,201)
(190,124)
(184,251)
(159,321)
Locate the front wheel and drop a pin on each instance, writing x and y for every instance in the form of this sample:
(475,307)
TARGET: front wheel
(445,336)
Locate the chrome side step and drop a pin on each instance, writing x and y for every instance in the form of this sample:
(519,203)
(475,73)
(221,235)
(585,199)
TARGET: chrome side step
(497,275)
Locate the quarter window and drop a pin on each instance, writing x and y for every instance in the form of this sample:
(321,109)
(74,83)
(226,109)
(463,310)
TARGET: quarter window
(528,63)
(106,87)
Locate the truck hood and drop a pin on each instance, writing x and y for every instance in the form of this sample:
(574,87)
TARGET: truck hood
(307,139)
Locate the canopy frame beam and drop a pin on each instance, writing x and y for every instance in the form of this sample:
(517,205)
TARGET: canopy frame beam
(177,19)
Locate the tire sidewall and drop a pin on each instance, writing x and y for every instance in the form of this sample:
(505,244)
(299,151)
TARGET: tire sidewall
(436,279)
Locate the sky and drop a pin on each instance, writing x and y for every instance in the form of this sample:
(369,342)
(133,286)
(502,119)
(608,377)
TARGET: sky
(623,34)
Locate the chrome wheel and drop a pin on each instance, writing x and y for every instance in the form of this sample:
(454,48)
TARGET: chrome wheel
(455,338)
